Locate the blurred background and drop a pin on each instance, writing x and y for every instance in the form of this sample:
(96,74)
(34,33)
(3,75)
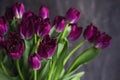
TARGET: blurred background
(105,14)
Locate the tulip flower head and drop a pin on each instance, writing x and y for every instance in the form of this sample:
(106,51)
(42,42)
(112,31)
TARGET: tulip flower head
(91,33)
(19,10)
(103,41)
(14,46)
(72,15)
(34,61)
(3,26)
(47,47)
(75,32)
(44,12)
(59,23)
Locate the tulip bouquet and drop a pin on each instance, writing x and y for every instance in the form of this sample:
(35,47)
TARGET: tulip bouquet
(33,48)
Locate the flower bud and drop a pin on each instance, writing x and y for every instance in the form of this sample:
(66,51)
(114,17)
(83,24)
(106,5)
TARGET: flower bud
(72,15)
(42,27)
(44,12)
(3,26)
(34,61)
(91,33)
(18,9)
(47,47)
(59,23)
(75,32)
(14,46)
(26,27)
(103,41)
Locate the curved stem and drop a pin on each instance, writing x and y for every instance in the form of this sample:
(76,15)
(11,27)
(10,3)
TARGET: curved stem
(63,34)
(35,74)
(19,71)
(74,50)
(4,69)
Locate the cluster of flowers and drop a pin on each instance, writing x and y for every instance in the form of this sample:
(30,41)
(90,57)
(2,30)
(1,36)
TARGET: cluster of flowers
(18,25)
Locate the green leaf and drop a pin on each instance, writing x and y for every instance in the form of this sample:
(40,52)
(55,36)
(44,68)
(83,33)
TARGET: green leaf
(83,58)
(72,76)
(60,60)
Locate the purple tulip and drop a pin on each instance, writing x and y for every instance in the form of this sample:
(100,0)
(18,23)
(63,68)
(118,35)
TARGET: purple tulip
(59,23)
(75,32)
(9,14)
(18,9)
(42,27)
(26,27)
(72,15)
(103,41)
(47,47)
(91,33)
(14,46)
(44,12)
(34,61)
(3,26)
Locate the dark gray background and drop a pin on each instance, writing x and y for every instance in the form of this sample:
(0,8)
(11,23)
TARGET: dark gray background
(105,14)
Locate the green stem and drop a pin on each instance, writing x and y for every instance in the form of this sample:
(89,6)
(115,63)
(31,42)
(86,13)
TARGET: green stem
(74,50)
(4,69)
(51,70)
(63,34)
(35,74)
(35,38)
(19,71)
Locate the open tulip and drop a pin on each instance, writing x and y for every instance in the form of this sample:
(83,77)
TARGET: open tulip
(44,12)
(3,26)
(75,32)
(14,46)
(18,9)
(103,41)
(72,15)
(91,33)
(59,23)
(47,47)
(34,61)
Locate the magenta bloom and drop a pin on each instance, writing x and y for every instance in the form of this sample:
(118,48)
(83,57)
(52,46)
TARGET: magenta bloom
(42,27)
(103,41)
(47,47)
(91,33)
(18,9)
(3,26)
(44,12)
(59,23)
(72,15)
(34,61)
(26,27)
(75,32)
(14,46)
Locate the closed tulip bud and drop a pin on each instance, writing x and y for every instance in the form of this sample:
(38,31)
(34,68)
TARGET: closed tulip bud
(42,27)
(75,32)
(103,41)
(26,27)
(47,47)
(14,46)
(59,23)
(34,61)
(72,15)
(91,33)
(44,12)
(3,26)
(18,9)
